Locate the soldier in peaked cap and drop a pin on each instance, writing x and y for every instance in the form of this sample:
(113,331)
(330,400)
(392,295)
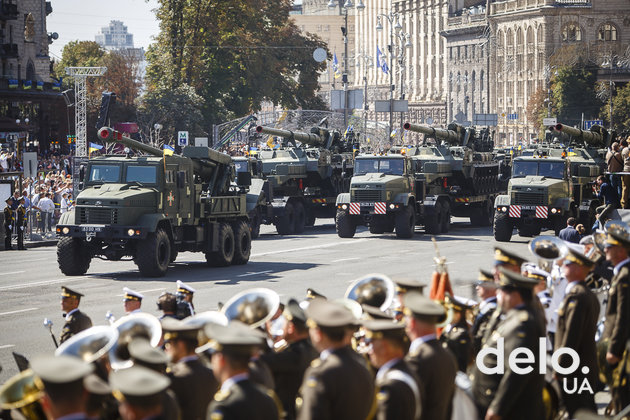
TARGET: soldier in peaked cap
(577,324)
(371,312)
(140,392)
(239,398)
(132,301)
(508,260)
(510,395)
(398,395)
(289,364)
(456,336)
(61,378)
(312,294)
(194,384)
(404,285)
(486,291)
(76,321)
(184,295)
(616,327)
(336,385)
(433,364)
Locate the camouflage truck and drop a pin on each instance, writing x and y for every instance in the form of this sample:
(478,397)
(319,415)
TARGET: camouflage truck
(151,207)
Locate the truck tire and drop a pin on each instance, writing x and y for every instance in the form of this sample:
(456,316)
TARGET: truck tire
(225,254)
(242,243)
(285,225)
(445,220)
(488,213)
(300,217)
(377,226)
(346,228)
(502,227)
(153,254)
(73,257)
(432,221)
(254,223)
(405,222)
(310,219)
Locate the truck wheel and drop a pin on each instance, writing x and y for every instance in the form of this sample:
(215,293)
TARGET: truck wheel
(242,243)
(285,225)
(73,256)
(300,217)
(346,228)
(445,222)
(310,219)
(432,221)
(405,222)
(153,254)
(224,255)
(487,213)
(254,223)
(502,227)
(377,226)
(174,254)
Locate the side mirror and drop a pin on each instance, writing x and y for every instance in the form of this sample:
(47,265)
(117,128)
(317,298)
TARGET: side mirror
(244,179)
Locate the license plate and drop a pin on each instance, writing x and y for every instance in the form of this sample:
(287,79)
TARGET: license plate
(367,204)
(91,228)
(528,207)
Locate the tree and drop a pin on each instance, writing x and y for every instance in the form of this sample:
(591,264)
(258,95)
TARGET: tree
(78,54)
(621,109)
(573,91)
(537,110)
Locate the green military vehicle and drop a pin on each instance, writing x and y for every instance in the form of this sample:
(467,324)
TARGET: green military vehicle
(547,188)
(151,207)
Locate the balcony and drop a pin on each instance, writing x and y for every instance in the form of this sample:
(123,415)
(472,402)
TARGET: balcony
(8,10)
(8,50)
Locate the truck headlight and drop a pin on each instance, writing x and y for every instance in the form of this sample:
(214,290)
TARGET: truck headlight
(65,230)
(392,206)
(131,232)
(344,207)
(554,211)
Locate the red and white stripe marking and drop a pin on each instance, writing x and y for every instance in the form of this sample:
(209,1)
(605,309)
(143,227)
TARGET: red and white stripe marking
(355,208)
(515,211)
(541,212)
(380,208)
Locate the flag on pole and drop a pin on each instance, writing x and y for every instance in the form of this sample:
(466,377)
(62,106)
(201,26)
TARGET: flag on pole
(335,65)
(94,147)
(168,150)
(378,57)
(380,61)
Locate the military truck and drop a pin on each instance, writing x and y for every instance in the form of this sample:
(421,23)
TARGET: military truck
(422,185)
(546,189)
(151,207)
(300,182)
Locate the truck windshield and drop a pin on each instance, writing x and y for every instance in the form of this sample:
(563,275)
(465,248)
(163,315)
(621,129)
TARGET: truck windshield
(541,168)
(141,174)
(105,173)
(379,165)
(241,166)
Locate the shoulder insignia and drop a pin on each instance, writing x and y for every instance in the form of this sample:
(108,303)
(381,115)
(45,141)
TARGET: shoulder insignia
(221,395)
(311,382)
(216,415)
(523,316)
(316,363)
(488,391)
(520,334)
(463,341)
(572,303)
(382,396)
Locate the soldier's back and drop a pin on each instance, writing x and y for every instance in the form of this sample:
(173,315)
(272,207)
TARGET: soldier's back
(244,400)
(194,385)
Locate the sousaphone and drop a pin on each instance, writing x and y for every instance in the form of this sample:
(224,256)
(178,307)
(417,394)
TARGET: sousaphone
(253,307)
(130,327)
(91,344)
(548,249)
(201,319)
(22,393)
(375,290)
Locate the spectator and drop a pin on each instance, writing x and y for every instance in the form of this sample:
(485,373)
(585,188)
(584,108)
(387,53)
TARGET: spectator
(615,164)
(47,207)
(569,233)
(65,203)
(625,179)
(606,192)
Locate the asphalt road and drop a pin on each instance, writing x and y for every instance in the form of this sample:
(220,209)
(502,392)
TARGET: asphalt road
(30,280)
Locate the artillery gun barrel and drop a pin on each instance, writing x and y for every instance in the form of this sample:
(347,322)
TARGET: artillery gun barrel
(109,135)
(449,136)
(304,138)
(593,138)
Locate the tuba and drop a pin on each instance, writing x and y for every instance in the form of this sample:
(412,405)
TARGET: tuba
(548,249)
(375,290)
(130,327)
(91,344)
(22,393)
(253,307)
(201,319)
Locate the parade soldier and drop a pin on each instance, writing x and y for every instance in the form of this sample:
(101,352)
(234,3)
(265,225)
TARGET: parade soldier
(434,365)
(577,324)
(140,392)
(76,321)
(21,224)
(8,223)
(616,325)
(404,285)
(456,336)
(486,291)
(510,395)
(289,364)
(184,295)
(132,301)
(65,395)
(193,383)
(398,395)
(336,385)
(239,398)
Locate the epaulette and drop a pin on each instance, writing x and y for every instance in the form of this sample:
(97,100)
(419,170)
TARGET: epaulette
(316,363)
(221,395)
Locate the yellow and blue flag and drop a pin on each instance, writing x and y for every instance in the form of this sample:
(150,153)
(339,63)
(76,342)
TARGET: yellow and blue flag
(335,66)
(94,147)
(168,150)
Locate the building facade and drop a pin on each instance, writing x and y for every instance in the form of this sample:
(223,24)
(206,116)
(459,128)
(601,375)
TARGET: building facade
(115,36)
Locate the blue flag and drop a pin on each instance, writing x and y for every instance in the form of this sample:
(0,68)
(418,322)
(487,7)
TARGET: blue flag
(380,61)
(335,66)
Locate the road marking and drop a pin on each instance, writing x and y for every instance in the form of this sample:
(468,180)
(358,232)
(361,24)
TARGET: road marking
(146,291)
(254,274)
(18,311)
(7,346)
(346,259)
(12,272)
(42,283)
(309,247)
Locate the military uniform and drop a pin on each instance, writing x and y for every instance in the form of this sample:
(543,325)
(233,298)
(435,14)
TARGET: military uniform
(21,224)
(194,385)
(141,387)
(76,321)
(9,219)
(243,400)
(486,309)
(456,338)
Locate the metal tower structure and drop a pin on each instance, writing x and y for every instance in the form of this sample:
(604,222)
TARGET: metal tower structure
(80,75)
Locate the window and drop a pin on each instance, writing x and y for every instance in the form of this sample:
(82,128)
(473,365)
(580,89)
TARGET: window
(385,166)
(141,174)
(607,32)
(571,32)
(104,173)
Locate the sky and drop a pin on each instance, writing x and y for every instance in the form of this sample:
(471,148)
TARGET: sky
(83,19)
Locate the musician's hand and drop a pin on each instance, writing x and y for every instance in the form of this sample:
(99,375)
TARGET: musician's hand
(490,415)
(612,359)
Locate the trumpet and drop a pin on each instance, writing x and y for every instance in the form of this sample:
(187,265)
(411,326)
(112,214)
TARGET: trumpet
(548,249)
(22,393)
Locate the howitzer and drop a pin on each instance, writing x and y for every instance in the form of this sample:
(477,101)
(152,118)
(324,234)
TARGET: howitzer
(598,136)
(311,139)
(457,137)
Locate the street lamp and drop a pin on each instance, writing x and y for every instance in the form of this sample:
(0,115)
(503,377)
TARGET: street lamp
(344,31)
(368,60)
(157,128)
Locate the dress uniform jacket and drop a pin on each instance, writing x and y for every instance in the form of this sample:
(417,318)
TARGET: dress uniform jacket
(457,339)
(398,395)
(577,324)
(288,367)
(481,322)
(336,386)
(510,395)
(244,400)
(76,322)
(194,385)
(436,367)
(260,373)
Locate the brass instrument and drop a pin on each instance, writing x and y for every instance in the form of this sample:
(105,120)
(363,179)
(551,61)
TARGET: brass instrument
(130,327)
(91,344)
(203,318)
(22,393)
(548,249)
(351,305)
(253,307)
(375,290)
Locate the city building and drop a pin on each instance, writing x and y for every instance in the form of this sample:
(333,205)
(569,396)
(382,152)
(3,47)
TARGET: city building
(115,36)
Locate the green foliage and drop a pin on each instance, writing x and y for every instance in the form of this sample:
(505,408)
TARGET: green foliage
(78,54)
(621,109)
(573,91)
